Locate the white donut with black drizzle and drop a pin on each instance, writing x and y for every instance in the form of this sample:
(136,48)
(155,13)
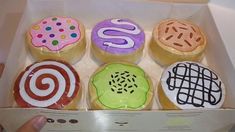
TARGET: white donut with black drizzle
(190,85)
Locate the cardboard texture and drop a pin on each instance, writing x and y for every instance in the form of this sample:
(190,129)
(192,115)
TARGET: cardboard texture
(147,14)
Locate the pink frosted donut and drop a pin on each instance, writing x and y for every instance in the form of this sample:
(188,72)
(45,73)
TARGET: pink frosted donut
(60,38)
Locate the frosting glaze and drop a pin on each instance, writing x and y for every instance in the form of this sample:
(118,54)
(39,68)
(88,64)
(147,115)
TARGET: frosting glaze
(190,85)
(49,84)
(118,36)
(55,33)
(121,86)
(180,35)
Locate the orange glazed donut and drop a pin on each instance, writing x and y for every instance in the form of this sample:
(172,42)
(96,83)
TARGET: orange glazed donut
(177,40)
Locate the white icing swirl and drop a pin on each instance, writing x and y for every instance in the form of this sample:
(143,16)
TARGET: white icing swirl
(39,92)
(130,43)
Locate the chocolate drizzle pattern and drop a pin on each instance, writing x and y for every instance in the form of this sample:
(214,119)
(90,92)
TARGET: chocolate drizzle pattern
(195,85)
(123,82)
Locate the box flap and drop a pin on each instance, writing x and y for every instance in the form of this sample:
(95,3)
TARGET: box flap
(224,3)
(184,1)
(223,13)
(128,121)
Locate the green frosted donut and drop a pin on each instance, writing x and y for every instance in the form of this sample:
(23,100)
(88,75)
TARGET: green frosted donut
(121,86)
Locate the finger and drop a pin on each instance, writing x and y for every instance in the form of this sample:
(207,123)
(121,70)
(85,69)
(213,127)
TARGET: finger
(33,125)
(1,128)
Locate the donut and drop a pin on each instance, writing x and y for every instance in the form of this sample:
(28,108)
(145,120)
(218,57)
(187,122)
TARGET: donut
(48,84)
(58,38)
(176,40)
(120,86)
(117,40)
(190,85)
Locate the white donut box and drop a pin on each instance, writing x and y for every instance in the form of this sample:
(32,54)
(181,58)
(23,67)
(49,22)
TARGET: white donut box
(147,13)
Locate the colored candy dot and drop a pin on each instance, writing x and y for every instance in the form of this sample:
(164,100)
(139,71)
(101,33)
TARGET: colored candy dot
(55,42)
(72,27)
(74,35)
(52,35)
(58,23)
(44,41)
(39,35)
(36,27)
(62,36)
(48,28)
(54,19)
(61,30)
(44,22)
(68,21)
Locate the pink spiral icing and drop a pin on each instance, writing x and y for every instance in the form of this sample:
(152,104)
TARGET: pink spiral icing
(55,33)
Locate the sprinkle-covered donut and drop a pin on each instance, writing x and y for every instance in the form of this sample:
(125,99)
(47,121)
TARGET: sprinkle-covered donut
(176,40)
(120,86)
(180,35)
(56,38)
(47,84)
(55,33)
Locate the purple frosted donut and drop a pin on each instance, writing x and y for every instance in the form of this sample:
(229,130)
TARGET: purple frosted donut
(118,36)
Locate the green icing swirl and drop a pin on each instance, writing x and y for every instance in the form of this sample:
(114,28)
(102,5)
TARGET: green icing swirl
(121,86)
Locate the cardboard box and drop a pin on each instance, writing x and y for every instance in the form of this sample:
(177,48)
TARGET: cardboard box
(147,14)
